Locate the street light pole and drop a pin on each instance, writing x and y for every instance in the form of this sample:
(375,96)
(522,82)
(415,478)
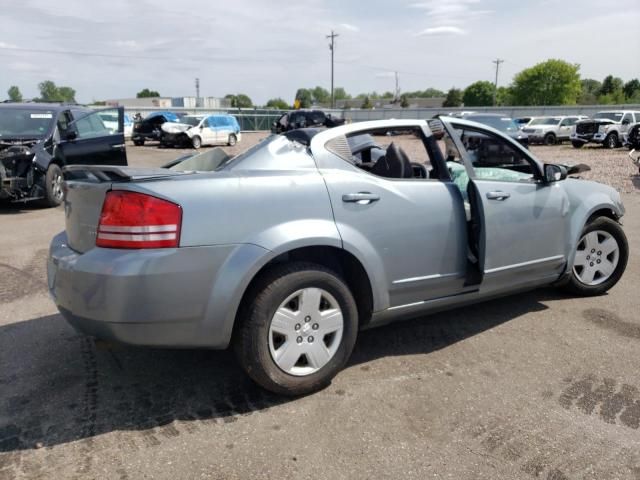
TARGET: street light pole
(332,48)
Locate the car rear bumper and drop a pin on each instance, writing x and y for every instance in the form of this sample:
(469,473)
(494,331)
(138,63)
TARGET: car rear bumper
(156,297)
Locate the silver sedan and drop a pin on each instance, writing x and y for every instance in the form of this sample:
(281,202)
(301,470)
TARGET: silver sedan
(289,249)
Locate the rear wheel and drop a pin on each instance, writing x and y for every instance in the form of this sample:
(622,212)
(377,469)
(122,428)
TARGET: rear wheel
(611,141)
(232,140)
(550,139)
(196,142)
(138,142)
(601,258)
(297,329)
(53,188)
(577,144)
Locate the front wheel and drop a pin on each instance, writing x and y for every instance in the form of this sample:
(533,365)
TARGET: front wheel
(232,140)
(601,258)
(297,328)
(138,142)
(54,194)
(577,144)
(549,139)
(611,141)
(196,142)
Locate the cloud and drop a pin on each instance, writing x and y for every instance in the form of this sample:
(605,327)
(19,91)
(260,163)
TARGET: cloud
(348,26)
(444,30)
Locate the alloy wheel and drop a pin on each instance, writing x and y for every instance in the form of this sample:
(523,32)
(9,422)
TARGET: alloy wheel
(56,186)
(596,258)
(306,331)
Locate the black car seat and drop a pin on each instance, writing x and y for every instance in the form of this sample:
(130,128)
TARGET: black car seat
(395,164)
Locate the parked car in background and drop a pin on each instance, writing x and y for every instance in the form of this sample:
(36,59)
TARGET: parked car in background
(149,128)
(522,121)
(605,128)
(551,130)
(305,119)
(38,140)
(500,122)
(110,120)
(198,130)
(287,250)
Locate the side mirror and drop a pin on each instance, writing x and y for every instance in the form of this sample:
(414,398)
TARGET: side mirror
(554,173)
(626,121)
(70,135)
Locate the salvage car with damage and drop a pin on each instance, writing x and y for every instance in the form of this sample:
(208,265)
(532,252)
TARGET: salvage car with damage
(38,140)
(287,250)
(199,130)
(606,128)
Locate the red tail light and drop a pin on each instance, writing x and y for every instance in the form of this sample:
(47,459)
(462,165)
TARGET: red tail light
(136,220)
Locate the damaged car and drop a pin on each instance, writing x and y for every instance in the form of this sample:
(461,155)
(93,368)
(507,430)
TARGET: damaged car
(199,130)
(606,128)
(286,251)
(305,119)
(38,140)
(150,127)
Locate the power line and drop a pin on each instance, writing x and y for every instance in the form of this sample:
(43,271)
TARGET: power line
(497,61)
(332,47)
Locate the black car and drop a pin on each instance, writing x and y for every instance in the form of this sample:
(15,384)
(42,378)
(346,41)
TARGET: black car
(305,119)
(503,123)
(38,139)
(149,128)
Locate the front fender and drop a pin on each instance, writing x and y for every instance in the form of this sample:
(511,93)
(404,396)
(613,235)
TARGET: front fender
(588,198)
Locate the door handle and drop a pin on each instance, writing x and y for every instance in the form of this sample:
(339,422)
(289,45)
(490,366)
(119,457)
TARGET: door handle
(119,146)
(361,198)
(498,195)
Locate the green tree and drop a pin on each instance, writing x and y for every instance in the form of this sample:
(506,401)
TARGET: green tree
(611,85)
(339,93)
(146,93)
(454,98)
(478,94)
(404,101)
(554,82)
(388,95)
(630,88)
(239,100)
(49,92)
(14,94)
(321,95)
(305,97)
(504,96)
(367,103)
(589,91)
(278,104)
(432,93)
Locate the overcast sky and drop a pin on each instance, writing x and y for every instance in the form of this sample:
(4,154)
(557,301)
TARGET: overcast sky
(270,48)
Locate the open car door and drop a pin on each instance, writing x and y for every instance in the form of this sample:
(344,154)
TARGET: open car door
(96,138)
(518,223)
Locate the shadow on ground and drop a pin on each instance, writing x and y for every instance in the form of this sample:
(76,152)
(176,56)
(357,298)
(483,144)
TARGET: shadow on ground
(57,386)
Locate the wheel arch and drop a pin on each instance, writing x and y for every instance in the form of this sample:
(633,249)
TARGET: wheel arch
(332,257)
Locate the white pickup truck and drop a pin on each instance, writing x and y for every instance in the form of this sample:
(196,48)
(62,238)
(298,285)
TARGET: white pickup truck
(606,128)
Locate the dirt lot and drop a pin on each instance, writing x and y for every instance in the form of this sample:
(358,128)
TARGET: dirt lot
(539,385)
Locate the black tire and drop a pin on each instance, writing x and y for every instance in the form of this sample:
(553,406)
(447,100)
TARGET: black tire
(550,139)
(196,142)
(251,339)
(232,140)
(53,186)
(138,142)
(577,144)
(575,286)
(611,141)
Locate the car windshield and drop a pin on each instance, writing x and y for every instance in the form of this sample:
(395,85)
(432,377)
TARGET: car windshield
(25,122)
(615,116)
(193,121)
(545,121)
(504,124)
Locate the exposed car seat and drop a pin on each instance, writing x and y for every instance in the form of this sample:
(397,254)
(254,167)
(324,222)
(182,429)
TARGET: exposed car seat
(395,164)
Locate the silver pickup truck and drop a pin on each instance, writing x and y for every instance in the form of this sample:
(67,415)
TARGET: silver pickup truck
(606,128)
(551,130)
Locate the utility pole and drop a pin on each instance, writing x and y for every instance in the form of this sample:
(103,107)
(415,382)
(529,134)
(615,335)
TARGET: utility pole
(332,48)
(497,61)
(397,92)
(197,92)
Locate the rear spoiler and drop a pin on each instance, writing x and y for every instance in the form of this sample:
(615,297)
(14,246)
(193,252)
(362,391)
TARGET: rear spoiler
(111,173)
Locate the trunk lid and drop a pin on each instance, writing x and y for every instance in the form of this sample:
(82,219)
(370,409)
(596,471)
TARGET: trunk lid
(86,187)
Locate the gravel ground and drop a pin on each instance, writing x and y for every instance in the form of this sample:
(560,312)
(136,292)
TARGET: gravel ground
(612,167)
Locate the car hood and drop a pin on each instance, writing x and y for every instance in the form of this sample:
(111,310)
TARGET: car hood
(171,127)
(597,121)
(541,127)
